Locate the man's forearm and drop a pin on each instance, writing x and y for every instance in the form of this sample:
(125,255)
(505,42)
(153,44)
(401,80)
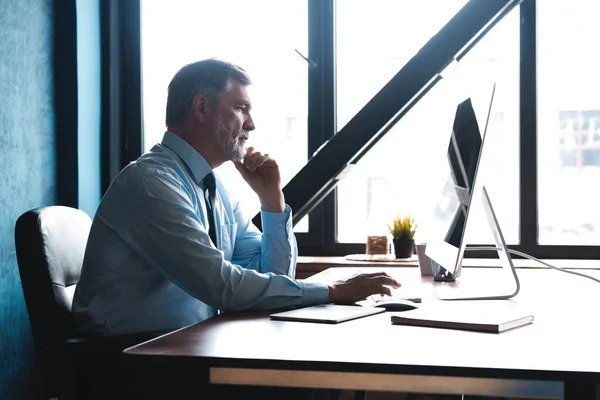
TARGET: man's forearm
(274,202)
(279,250)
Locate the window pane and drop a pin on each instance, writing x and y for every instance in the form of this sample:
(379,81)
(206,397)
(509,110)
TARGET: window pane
(375,39)
(260,37)
(406,171)
(568,122)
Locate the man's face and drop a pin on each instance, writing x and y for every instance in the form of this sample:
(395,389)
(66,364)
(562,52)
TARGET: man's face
(232,122)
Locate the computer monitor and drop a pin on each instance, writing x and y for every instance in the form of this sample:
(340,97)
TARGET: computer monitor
(451,214)
(463,155)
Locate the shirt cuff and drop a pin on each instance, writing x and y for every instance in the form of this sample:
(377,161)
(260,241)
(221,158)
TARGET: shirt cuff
(277,224)
(314,293)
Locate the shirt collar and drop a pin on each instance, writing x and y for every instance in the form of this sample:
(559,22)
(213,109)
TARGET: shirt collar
(193,159)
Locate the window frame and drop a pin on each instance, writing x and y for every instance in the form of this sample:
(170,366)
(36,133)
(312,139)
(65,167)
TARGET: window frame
(321,108)
(121,86)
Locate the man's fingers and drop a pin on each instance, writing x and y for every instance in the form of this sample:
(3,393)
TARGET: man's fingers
(385,280)
(378,289)
(373,274)
(261,161)
(255,160)
(250,160)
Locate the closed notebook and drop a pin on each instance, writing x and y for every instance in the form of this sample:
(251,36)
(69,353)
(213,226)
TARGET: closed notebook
(494,321)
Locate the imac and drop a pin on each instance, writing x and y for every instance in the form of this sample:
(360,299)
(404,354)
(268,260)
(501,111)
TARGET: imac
(452,211)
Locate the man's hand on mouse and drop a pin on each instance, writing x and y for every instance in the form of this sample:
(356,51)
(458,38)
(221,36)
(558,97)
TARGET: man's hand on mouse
(361,286)
(261,172)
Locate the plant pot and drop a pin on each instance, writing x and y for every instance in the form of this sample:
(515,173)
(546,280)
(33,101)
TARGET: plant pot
(403,247)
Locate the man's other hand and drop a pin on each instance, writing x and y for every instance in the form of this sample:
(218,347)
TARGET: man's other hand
(361,286)
(261,172)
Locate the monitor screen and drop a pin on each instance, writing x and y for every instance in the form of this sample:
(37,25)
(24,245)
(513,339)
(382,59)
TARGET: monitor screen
(463,154)
(451,212)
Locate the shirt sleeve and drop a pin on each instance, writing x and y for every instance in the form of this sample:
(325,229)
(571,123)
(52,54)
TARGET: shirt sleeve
(163,227)
(274,250)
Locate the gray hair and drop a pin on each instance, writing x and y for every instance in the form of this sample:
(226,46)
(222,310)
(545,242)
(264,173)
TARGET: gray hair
(210,78)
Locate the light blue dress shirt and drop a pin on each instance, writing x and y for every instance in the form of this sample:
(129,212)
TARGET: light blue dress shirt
(150,265)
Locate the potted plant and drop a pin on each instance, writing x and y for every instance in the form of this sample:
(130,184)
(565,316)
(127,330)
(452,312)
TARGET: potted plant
(403,230)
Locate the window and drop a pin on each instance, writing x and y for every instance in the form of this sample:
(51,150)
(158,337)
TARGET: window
(406,171)
(259,36)
(374,39)
(568,122)
(541,161)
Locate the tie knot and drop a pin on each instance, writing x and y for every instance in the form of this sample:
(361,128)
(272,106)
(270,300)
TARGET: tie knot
(209,181)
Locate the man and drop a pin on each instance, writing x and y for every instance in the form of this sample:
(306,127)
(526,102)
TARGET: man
(158,259)
(170,246)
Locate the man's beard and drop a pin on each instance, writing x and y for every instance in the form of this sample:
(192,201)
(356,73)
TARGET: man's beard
(230,142)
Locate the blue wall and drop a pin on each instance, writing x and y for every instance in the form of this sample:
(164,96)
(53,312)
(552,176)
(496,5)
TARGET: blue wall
(50,146)
(27,170)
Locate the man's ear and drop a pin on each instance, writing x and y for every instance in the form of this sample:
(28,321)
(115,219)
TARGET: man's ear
(201,107)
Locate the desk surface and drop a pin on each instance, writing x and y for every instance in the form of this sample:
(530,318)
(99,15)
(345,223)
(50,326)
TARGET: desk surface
(308,266)
(311,261)
(560,345)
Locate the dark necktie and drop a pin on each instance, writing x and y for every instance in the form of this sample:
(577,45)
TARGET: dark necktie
(210,188)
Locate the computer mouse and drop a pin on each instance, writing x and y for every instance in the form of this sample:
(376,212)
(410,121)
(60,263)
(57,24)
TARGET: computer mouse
(396,304)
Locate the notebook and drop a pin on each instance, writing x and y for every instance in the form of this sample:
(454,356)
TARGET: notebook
(326,313)
(492,322)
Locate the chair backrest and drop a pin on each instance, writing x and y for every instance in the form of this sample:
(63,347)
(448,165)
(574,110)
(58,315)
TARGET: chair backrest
(50,244)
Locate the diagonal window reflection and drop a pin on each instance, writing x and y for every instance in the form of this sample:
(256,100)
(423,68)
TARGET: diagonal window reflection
(374,39)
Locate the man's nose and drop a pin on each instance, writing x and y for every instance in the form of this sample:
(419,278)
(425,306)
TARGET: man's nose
(249,124)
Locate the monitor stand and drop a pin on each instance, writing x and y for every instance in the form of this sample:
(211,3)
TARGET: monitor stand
(448,287)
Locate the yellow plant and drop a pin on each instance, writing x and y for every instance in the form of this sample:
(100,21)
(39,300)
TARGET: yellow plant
(403,226)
